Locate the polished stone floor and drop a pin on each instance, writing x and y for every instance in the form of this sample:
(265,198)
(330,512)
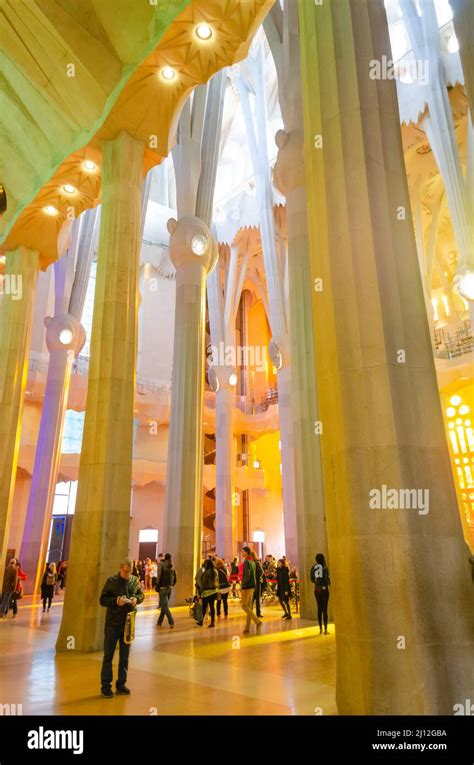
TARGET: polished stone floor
(288,670)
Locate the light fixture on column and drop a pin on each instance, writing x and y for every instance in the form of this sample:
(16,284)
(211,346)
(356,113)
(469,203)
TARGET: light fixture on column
(3,199)
(203,31)
(168,73)
(256,464)
(51,210)
(65,336)
(213,379)
(89,165)
(68,188)
(259,536)
(199,244)
(233,379)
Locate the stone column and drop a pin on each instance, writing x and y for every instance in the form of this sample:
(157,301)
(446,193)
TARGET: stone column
(16,312)
(463,17)
(289,177)
(397,653)
(100,533)
(193,252)
(65,336)
(225,402)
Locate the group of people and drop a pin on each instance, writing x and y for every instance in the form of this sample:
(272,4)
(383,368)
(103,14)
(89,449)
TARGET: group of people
(12,588)
(123,592)
(146,571)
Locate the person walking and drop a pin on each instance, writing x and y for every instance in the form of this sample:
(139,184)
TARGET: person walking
(10,579)
(18,594)
(165,581)
(154,573)
(283,588)
(224,588)
(48,584)
(147,574)
(322,581)
(120,596)
(259,580)
(209,586)
(249,579)
(234,576)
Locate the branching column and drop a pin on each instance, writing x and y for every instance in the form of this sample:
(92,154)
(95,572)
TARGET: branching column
(16,313)
(397,653)
(100,534)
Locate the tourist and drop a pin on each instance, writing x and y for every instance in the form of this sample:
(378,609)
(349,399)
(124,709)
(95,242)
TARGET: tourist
(234,576)
(249,578)
(147,574)
(9,586)
(224,588)
(209,591)
(120,596)
(18,594)
(165,581)
(321,580)
(153,573)
(283,587)
(48,584)
(259,582)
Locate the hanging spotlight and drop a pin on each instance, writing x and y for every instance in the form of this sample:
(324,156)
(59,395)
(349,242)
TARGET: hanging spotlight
(50,210)
(233,379)
(168,73)
(203,31)
(68,188)
(199,244)
(89,165)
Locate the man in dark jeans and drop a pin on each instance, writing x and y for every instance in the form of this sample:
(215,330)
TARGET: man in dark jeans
(120,595)
(166,580)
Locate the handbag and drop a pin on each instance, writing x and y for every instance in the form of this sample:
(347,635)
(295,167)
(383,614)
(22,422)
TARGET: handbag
(19,591)
(197,611)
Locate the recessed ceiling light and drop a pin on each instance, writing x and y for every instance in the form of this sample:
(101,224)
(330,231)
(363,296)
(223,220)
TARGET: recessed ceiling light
(50,210)
(68,188)
(203,31)
(65,336)
(168,73)
(89,165)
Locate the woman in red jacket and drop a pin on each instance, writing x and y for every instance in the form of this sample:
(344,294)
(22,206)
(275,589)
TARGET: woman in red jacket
(18,594)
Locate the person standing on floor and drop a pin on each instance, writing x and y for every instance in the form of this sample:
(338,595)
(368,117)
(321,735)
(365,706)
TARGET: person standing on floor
(249,579)
(224,588)
(18,594)
(259,579)
(283,588)
(48,584)
(165,581)
(322,581)
(209,591)
(120,596)
(10,579)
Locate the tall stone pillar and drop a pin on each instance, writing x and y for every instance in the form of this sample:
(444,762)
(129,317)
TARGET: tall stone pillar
(289,177)
(193,252)
(463,17)
(225,402)
(379,403)
(65,336)
(100,531)
(16,312)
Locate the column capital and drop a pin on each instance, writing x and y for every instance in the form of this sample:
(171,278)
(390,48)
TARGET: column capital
(64,332)
(191,242)
(289,170)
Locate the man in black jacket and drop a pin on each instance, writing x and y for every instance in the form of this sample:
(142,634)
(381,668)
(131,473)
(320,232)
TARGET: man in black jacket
(120,595)
(166,580)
